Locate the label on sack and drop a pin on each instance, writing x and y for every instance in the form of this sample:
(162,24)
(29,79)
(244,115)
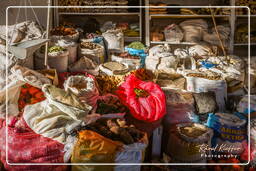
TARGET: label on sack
(225,131)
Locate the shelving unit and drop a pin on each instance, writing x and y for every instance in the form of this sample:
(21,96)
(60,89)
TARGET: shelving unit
(114,15)
(232,19)
(145,20)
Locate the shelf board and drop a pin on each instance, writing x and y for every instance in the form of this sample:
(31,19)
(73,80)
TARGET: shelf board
(184,16)
(100,14)
(244,44)
(132,39)
(172,43)
(245,16)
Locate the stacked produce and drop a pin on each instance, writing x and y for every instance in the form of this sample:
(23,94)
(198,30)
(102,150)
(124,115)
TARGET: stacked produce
(155,10)
(241,35)
(93,3)
(244,11)
(192,30)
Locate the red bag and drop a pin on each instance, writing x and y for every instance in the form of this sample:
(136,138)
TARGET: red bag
(145,100)
(25,146)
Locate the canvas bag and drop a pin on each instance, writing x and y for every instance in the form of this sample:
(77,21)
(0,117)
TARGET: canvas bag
(58,115)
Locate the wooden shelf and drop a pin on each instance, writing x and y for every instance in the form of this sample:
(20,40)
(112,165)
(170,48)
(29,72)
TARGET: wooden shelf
(99,14)
(183,16)
(172,43)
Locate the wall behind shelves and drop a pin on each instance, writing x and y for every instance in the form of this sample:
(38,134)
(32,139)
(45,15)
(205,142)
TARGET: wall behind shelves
(41,13)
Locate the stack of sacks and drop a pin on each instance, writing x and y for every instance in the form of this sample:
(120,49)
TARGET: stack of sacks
(161,58)
(193,30)
(212,37)
(24,31)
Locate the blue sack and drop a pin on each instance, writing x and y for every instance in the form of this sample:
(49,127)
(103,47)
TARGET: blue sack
(208,65)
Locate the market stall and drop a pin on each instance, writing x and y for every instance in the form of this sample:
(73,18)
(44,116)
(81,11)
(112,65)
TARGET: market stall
(98,93)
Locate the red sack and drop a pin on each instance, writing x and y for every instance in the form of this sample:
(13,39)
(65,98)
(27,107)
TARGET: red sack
(25,146)
(145,100)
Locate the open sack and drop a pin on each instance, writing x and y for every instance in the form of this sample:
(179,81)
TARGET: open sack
(59,114)
(92,147)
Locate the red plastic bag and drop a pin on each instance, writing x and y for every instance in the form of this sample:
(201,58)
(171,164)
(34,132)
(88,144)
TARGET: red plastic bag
(145,100)
(25,146)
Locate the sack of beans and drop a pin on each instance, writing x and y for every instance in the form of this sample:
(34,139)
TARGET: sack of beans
(84,88)
(185,142)
(229,131)
(93,51)
(132,61)
(55,53)
(85,64)
(197,82)
(72,49)
(66,33)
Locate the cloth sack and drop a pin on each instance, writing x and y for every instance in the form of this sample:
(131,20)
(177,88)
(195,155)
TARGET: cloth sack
(85,64)
(114,39)
(84,88)
(205,102)
(57,116)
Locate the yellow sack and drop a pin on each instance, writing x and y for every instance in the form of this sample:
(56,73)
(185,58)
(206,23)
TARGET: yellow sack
(94,148)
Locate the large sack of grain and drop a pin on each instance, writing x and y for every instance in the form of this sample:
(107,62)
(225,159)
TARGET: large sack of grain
(84,88)
(94,51)
(185,142)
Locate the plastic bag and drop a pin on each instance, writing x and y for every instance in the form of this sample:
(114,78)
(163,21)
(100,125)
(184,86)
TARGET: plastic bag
(25,146)
(193,29)
(98,149)
(145,100)
(179,107)
(229,130)
(173,33)
(219,87)
(205,102)
(57,116)
(200,50)
(32,77)
(160,58)
(84,88)
(115,39)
